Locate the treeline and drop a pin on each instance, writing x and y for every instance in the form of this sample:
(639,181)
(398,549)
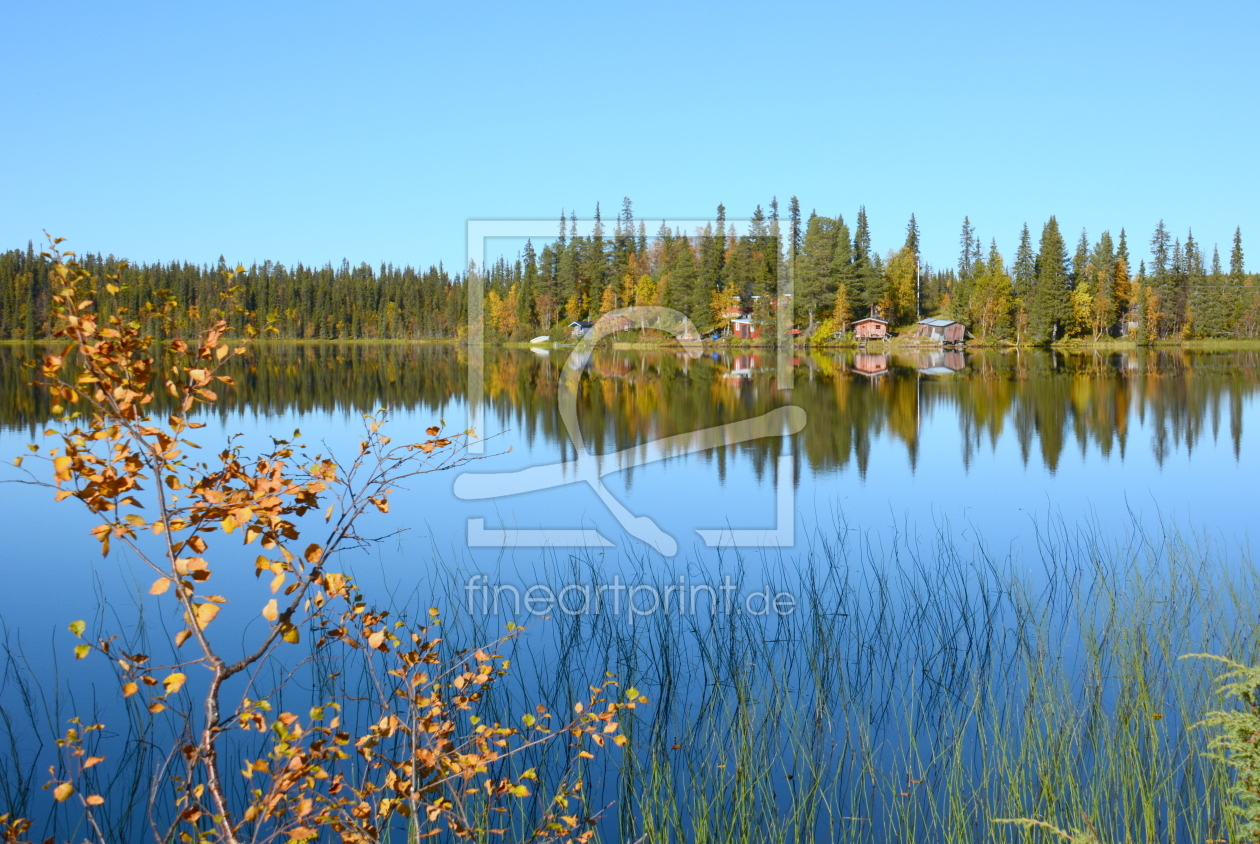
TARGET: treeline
(301,303)
(711,273)
(1048,293)
(1093,292)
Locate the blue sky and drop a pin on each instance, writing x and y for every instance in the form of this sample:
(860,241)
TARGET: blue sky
(375,131)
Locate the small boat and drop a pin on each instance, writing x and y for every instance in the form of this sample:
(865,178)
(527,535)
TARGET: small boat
(541,338)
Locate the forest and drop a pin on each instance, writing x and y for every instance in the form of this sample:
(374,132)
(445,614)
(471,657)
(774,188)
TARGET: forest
(1050,291)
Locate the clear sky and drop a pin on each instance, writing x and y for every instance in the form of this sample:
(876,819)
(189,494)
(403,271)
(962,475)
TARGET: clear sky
(373,132)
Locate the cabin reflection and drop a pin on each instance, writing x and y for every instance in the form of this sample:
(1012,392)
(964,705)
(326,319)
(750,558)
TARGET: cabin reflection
(1044,400)
(945,362)
(871,365)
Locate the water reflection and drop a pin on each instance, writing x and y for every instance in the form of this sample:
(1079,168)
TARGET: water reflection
(628,397)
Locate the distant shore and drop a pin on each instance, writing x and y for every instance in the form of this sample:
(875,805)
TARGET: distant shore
(892,344)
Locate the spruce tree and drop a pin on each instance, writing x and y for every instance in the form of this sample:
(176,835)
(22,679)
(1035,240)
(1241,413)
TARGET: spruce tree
(1122,284)
(525,315)
(1048,310)
(912,236)
(712,257)
(1159,250)
(1202,312)
(794,215)
(842,274)
(1162,283)
(623,246)
(814,278)
(1025,267)
(1220,297)
(1080,260)
(868,275)
(967,242)
(1236,257)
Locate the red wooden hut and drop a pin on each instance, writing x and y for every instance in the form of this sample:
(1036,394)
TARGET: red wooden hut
(870,328)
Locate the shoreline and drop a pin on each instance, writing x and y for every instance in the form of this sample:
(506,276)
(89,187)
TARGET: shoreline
(876,346)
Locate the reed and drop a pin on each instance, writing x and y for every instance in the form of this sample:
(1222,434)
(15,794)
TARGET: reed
(921,690)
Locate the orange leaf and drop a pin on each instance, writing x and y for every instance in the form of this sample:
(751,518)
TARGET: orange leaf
(206,614)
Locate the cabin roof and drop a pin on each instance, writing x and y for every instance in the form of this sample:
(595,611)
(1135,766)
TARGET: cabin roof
(938,321)
(870,319)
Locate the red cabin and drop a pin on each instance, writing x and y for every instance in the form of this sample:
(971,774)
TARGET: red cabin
(870,328)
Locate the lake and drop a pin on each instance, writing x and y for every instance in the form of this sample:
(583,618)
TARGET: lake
(909,543)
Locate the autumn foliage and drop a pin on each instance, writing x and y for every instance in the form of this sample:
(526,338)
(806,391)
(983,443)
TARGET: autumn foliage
(428,762)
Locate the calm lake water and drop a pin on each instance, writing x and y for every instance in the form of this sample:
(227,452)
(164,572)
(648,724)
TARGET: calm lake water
(993,447)
(988,440)
(996,451)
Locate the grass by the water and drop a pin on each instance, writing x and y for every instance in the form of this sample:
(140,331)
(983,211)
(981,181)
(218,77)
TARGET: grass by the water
(921,689)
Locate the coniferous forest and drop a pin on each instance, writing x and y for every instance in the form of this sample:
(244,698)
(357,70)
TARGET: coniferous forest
(1051,288)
